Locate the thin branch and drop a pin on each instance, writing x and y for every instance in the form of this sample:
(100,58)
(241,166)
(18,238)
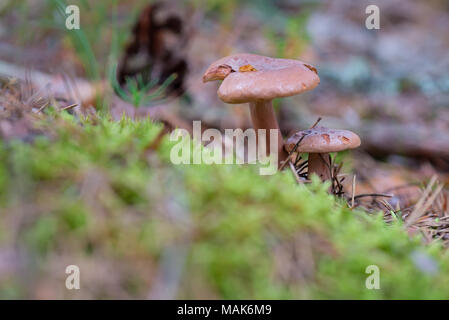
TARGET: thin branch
(362,195)
(316,122)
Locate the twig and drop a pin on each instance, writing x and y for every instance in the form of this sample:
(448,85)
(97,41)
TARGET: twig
(353,191)
(42,108)
(424,204)
(69,107)
(373,195)
(284,163)
(292,167)
(316,122)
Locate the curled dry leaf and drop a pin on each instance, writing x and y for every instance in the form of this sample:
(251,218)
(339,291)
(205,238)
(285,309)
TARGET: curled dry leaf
(308,66)
(247,68)
(218,73)
(344,139)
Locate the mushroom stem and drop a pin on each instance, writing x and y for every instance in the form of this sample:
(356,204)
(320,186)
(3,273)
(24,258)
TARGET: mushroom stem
(320,165)
(263,117)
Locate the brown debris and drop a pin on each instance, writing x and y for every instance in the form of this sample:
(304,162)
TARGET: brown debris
(157,49)
(247,68)
(311,68)
(218,73)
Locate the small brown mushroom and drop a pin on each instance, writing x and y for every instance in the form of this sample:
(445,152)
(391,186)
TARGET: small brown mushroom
(318,143)
(258,80)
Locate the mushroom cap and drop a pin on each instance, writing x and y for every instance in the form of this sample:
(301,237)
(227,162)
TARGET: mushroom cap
(323,140)
(251,77)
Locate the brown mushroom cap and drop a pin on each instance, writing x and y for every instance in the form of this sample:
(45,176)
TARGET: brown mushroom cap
(323,140)
(250,77)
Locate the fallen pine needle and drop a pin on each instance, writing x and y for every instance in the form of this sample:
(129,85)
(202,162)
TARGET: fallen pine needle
(70,107)
(424,204)
(294,172)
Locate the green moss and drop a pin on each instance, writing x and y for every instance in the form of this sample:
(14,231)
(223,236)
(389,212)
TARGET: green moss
(41,235)
(95,191)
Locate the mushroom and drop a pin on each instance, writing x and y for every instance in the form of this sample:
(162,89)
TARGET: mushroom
(258,80)
(318,142)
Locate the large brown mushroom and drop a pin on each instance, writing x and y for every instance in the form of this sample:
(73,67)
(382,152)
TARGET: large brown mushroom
(258,80)
(318,143)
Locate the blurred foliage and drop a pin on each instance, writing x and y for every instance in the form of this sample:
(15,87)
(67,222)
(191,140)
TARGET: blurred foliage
(104,31)
(139,92)
(291,40)
(94,190)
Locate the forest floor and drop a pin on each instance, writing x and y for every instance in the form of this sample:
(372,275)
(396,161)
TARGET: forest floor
(367,85)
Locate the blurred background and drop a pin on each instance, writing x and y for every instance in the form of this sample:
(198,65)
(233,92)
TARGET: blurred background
(391,86)
(388,85)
